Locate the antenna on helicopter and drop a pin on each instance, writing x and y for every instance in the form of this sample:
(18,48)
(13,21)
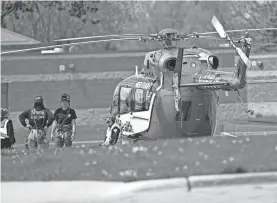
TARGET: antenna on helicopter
(136,70)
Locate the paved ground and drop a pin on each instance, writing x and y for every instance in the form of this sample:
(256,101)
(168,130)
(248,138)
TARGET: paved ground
(104,192)
(260,193)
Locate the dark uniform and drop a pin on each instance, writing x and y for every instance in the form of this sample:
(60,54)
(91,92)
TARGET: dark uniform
(64,127)
(6,130)
(39,119)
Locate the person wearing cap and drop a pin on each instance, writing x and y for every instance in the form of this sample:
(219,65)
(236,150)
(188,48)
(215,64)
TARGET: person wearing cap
(6,130)
(39,120)
(113,132)
(64,126)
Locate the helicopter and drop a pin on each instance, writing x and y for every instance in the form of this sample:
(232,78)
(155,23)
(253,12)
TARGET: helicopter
(175,95)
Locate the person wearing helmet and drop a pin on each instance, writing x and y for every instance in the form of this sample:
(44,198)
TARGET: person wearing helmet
(64,126)
(39,120)
(6,130)
(113,132)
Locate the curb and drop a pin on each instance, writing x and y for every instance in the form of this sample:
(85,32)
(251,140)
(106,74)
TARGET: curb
(232,179)
(192,182)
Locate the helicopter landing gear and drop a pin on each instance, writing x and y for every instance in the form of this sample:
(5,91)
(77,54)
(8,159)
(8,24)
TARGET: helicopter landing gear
(135,136)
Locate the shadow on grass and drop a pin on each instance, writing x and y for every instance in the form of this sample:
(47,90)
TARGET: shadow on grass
(234,169)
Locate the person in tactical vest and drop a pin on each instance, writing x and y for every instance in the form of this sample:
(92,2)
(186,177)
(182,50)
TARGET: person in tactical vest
(6,130)
(113,132)
(39,120)
(64,126)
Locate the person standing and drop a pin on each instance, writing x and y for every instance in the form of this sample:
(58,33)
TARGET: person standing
(6,130)
(64,126)
(39,120)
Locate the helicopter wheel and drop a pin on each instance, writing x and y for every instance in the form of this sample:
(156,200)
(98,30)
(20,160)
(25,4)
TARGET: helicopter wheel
(135,136)
(251,113)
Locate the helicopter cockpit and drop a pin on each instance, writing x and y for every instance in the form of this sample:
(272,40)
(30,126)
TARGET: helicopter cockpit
(132,103)
(132,98)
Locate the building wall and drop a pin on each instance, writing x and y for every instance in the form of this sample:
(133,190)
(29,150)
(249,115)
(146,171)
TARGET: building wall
(4,96)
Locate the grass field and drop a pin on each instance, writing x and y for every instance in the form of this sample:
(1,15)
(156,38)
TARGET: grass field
(95,128)
(145,160)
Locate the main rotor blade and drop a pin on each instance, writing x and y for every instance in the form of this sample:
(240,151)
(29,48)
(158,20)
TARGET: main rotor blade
(264,44)
(240,30)
(261,81)
(69,44)
(100,36)
(212,38)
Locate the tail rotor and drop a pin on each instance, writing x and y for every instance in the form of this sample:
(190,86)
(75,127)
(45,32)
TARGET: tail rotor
(220,30)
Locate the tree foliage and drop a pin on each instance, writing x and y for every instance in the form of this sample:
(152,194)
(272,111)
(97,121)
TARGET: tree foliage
(48,20)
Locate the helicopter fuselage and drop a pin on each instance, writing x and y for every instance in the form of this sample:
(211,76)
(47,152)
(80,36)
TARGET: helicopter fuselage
(175,94)
(146,108)
(145,104)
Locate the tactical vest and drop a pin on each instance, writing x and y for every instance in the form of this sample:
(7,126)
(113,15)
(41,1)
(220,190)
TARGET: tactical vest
(35,115)
(3,129)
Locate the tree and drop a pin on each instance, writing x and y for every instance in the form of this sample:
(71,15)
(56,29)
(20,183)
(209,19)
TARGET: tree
(47,20)
(8,7)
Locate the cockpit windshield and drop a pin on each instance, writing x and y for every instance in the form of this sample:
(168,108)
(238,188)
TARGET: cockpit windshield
(131,99)
(125,93)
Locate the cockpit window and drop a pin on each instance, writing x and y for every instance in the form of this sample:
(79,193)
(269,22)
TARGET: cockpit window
(141,99)
(114,106)
(125,93)
(131,99)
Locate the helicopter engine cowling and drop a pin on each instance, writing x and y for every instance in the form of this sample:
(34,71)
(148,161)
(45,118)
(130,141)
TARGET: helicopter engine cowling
(167,62)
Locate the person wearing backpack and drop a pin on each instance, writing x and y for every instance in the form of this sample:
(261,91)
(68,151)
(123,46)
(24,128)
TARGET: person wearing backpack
(39,120)
(64,125)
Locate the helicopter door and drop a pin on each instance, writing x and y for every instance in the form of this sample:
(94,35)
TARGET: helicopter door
(138,120)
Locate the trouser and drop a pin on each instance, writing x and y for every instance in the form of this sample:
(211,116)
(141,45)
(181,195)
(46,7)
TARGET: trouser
(63,137)
(37,139)
(6,143)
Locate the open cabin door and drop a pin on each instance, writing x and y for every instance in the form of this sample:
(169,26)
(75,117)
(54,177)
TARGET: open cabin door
(137,120)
